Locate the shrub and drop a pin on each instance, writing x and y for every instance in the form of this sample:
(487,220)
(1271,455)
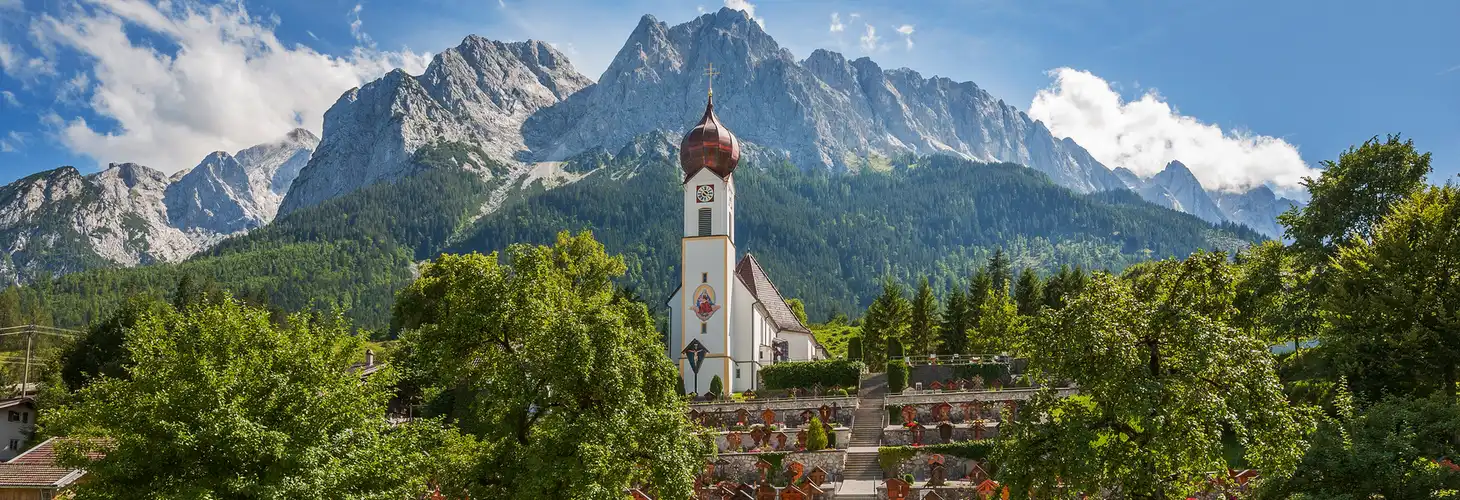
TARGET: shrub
(807,374)
(815,435)
(854,349)
(717,387)
(680,387)
(890,458)
(894,349)
(894,414)
(896,376)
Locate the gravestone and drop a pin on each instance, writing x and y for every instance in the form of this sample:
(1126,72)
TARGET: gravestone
(768,416)
(897,489)
(806,417)
(978,410)
(957,385)
(741,416)
(792,492)
(816,389)
(733,440)
(945,431)
(765,492)
(796,469)
(826,415)
(978,474)
(917,433)
(765,470)
(942,412)
(814,491)
(759,435)
(801,439)
(968,414)
(948,384)
(937,471)
(909,414)
(817,476)
(978,429)
(936,385)
(997,384)
(781,441)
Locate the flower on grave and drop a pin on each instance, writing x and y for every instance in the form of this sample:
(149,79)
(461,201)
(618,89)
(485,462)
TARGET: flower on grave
(911,424)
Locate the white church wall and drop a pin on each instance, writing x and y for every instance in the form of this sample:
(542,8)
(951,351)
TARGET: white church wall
(722,208)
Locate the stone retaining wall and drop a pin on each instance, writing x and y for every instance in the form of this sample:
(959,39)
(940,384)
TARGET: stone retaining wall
(896,435)
(740,467)
(843,435)
(788,412)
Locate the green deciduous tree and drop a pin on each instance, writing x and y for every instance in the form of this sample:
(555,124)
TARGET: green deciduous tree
(1353,194)
(1162,377)
(1276,298)
(999,325)
(1387,450)
(923,322)
(219,402)
(799,309)
(101,351)
(565,385)
(1394,300)
(1028,292)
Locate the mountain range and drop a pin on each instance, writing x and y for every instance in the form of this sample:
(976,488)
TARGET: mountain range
(62,221)
(541,142)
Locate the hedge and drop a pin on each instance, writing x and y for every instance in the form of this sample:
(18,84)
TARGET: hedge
(854,349)
(807,374)
(896,376)
(989,372)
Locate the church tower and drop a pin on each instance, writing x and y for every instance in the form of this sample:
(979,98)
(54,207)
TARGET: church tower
(708,156)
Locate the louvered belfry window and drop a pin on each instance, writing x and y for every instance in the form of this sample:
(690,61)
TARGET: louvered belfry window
(704,222)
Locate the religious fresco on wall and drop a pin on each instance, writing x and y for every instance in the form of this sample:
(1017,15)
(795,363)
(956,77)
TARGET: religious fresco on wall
(704,303)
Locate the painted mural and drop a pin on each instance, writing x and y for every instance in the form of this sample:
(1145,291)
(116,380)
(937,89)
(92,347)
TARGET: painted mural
(704,303)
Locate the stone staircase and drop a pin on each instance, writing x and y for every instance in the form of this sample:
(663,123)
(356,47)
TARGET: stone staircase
(861,473)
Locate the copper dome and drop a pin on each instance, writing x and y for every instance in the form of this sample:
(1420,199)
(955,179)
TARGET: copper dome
(709,145)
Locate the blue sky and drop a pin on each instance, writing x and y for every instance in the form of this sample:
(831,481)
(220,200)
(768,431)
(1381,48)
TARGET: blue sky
(1247,91)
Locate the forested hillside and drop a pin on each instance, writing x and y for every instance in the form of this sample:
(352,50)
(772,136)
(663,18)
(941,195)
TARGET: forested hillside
(827,238)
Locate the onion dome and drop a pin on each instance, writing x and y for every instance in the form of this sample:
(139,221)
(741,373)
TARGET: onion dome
(709,145)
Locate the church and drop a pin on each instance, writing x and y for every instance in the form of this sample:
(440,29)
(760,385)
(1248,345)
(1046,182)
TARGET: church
(726,317)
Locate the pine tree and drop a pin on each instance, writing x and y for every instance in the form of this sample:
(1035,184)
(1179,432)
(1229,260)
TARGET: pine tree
(1028,292)
(1000,271)
(954,330)
(886,320)
(923,326)
(979,289)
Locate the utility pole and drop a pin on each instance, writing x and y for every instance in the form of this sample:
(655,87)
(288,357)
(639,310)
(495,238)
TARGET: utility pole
(25,382)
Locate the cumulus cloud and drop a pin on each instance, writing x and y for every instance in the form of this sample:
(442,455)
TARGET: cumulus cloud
(223,82)
(24,67)
(906,31)
(747,7)
(836,23)
(1145,134)
(870,39)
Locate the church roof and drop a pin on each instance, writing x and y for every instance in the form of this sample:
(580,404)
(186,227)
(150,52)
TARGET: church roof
(754,278)
(709,145)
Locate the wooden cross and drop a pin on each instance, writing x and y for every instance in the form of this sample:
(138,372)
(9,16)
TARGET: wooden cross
(710,72)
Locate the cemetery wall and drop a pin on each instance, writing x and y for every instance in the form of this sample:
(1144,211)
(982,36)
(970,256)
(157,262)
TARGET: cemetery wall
(896,435)
(740,467)
(787,411)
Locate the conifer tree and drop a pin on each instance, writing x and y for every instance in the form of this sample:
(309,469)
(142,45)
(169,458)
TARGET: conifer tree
(1028,292)
(1000,271)
(886,320)
(923,327)
(953,333)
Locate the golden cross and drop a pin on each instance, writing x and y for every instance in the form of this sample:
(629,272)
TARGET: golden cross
(710,72)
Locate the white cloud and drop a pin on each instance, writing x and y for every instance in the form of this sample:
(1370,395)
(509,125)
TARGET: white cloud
(225,83)
(747,7)
(12,142)
(906,31)
(21,66)
(1145,134)
(355,27)
(9,98)
(870,39)
(836,23)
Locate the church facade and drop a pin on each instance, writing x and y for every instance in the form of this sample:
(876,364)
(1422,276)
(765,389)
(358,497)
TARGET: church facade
(727,318)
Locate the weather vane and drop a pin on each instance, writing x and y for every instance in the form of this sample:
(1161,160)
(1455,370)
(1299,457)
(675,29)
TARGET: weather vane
(710,72)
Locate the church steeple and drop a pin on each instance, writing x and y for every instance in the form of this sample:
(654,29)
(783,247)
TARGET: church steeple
(709,144)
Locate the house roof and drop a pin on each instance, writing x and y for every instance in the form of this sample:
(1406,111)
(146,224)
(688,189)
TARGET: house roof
(36,468)
(14,402)
(755,279)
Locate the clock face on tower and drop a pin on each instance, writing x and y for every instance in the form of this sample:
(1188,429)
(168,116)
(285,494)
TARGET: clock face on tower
(704,193)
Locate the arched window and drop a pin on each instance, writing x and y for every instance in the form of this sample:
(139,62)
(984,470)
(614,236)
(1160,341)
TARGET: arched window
(704,222)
